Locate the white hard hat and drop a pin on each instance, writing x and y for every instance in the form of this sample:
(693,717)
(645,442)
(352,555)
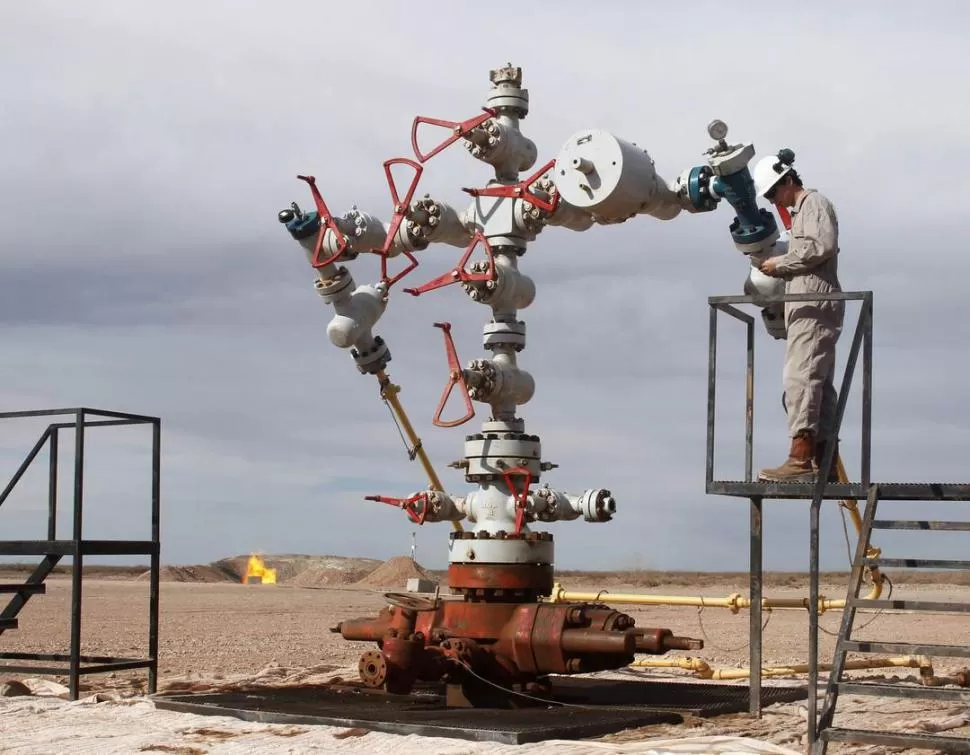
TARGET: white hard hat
(768,171)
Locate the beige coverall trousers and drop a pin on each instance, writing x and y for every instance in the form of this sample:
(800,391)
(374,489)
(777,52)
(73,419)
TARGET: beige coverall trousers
(813,329)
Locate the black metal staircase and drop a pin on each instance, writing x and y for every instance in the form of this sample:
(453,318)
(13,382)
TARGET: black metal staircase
(51,550)
(22,592)
(827,731)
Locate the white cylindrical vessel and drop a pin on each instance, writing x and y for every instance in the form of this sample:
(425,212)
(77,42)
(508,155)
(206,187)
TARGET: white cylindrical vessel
(611,178)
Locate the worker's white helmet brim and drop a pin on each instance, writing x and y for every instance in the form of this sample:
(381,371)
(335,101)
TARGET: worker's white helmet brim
(765,175)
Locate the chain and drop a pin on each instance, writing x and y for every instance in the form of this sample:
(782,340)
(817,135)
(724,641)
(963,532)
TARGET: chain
(412,452)
(707,639)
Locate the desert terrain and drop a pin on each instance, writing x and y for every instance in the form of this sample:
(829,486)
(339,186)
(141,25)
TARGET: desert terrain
(216,631)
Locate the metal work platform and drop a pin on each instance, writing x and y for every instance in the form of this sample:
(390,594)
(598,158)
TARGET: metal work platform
(816,492)
(74,663)
(583,707)
(888,491)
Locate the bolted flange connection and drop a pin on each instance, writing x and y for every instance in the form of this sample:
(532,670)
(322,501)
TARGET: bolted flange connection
(598,505)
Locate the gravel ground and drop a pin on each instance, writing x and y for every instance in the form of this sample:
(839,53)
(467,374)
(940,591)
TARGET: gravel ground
(224,629)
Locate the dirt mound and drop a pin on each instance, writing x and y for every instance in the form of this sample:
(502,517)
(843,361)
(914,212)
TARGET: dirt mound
(395,573)
(189,574)
(296,570)
(327,570)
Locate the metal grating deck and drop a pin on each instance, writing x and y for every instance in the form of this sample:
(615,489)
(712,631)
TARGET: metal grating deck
(613,705)
(888,491)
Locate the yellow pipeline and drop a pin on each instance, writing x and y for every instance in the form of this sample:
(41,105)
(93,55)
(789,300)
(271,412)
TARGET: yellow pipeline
(736,602)
(389,393)
(702,669)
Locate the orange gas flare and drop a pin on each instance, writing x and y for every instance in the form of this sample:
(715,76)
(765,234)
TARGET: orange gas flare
(258,573)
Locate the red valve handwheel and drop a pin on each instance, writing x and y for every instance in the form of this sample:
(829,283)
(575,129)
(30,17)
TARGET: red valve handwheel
(326,223)
(455,377)
(458,129)
(458,273)
(407,504)
(521,499)
(521,190)
(401,209)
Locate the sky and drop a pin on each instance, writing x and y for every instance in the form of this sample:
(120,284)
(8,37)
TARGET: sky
(147,148)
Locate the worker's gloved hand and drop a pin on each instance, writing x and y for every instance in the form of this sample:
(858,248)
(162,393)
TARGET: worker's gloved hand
(773,317)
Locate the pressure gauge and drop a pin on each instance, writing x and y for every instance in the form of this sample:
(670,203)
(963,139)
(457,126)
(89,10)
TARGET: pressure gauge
(717,129)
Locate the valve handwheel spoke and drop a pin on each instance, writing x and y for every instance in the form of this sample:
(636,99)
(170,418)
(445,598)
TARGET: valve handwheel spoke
(459,273)
(521,190)
(407,504)
(401,209)
(456,376)
(521,498)
(458,130)
(326,223)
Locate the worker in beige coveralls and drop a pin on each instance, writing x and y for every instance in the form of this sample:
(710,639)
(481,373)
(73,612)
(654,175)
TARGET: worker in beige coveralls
(813,329)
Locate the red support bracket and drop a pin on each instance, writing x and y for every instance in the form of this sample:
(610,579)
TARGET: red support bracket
(521,190)
(326,223)
(455,377)
(458,273)
(401,208)
(521,499)
(407,504)
(458,130)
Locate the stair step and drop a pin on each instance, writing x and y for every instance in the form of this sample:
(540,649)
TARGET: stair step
(916,524)
(918,563)
(910,605)
(914,740)
(33,589)
(904,690)
(8,623)
(906,648)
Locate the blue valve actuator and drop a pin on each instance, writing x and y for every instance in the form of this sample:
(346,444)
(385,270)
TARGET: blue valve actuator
(752,224)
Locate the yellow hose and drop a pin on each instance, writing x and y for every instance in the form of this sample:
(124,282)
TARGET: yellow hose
(852,507)
(389,393)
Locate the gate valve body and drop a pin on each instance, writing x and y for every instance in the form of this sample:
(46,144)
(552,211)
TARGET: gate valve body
(494,381)
(499,142)
(510,289)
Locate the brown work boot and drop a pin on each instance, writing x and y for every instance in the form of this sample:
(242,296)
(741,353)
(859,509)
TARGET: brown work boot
(800,464)
(820,457)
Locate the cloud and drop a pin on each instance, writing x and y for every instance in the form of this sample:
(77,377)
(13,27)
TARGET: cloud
(149,148)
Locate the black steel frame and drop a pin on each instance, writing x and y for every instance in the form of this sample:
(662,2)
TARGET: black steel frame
(77,547)
(756,492)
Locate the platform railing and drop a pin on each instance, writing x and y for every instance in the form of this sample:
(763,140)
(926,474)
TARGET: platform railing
(757,491)
(77,547)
